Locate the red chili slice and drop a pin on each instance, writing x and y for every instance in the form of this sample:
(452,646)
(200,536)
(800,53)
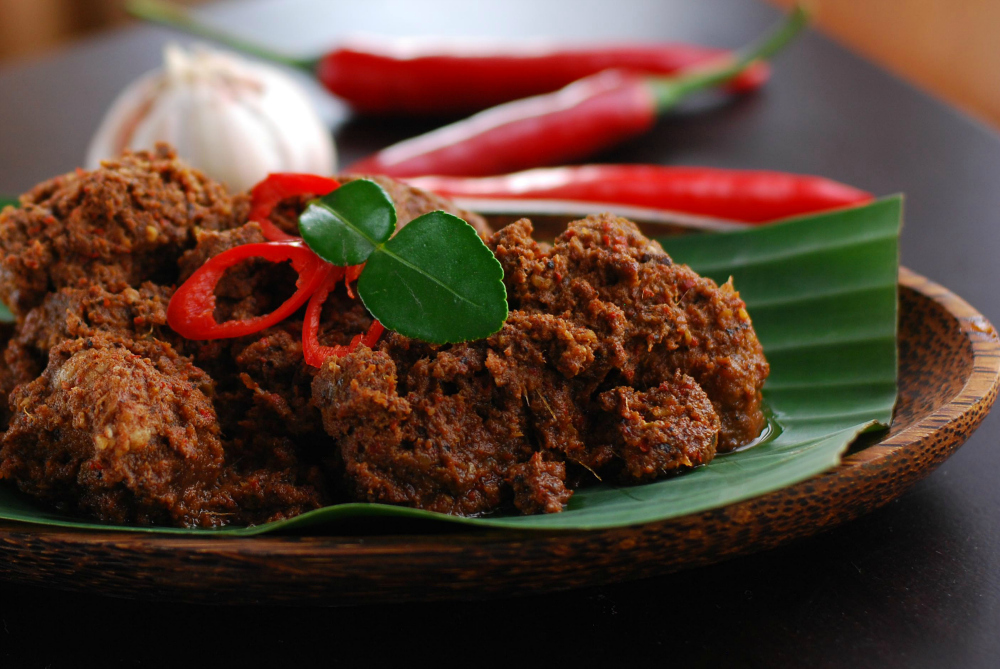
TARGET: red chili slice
(266,195)
(191,312)
(312,351)
(351,274)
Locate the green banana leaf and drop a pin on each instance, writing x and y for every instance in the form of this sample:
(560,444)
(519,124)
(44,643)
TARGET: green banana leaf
(822,293)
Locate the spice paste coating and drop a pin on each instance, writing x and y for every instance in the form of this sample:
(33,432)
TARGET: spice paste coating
(606,369)
(615,364)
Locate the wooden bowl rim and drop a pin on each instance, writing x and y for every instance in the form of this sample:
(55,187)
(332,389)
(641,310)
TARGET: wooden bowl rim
(980,387)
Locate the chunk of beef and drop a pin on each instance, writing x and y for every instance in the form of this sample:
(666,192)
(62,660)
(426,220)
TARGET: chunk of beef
(117,429)
(720,351)
(539,485)
(652,316)
(210,243)
(658,431)
(70,313)
(116,226)
(124,430)
(444,446)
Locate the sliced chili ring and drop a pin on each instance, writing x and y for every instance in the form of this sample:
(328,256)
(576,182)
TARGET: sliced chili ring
(191,312)
(351,274)
(312,351)
(266,195)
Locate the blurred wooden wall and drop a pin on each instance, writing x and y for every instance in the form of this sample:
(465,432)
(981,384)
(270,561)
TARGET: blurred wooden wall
(30,27)
(950,48)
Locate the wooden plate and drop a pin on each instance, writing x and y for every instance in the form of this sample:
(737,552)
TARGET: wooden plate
(948,375)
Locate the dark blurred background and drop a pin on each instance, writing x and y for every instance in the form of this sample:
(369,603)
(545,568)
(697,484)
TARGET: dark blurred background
(947,47)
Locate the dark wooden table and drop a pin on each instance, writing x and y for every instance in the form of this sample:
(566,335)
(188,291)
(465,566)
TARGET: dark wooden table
(915,584)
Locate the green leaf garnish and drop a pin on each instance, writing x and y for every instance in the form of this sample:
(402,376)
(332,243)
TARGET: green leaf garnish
(833,376)
(5,201)
(346,226)
(435,280)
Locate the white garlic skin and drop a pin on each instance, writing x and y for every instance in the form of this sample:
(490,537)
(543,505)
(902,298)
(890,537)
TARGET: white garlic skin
(234,120)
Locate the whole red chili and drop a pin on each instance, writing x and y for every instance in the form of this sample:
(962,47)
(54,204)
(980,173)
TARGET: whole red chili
(449,77)
(586,116)
(738,195)
(444,78)
(266,195)
(581,119)
(191,312)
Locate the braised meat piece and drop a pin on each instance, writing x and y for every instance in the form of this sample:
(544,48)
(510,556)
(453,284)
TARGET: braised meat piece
(651,315)
(117,429)
(210,243)
(263,386)
(548,365)
(70,313)
(445,445)
(124,430)
(606,365)
(447,427)
(80,312)
(117,226)
(10,373)
(672,426)
(272,432)
(720,351)
(539,485)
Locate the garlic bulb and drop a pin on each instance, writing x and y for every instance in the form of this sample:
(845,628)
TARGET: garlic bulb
(233,119)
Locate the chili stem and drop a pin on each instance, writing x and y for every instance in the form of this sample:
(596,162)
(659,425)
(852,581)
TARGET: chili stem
(177,17)
(670,90)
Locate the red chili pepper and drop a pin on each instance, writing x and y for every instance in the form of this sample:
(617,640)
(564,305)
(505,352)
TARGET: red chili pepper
(391,76)
(312,351)
(351,274)
(582,118)
(738,195)
(191,312)
(585,117)
(266,195)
